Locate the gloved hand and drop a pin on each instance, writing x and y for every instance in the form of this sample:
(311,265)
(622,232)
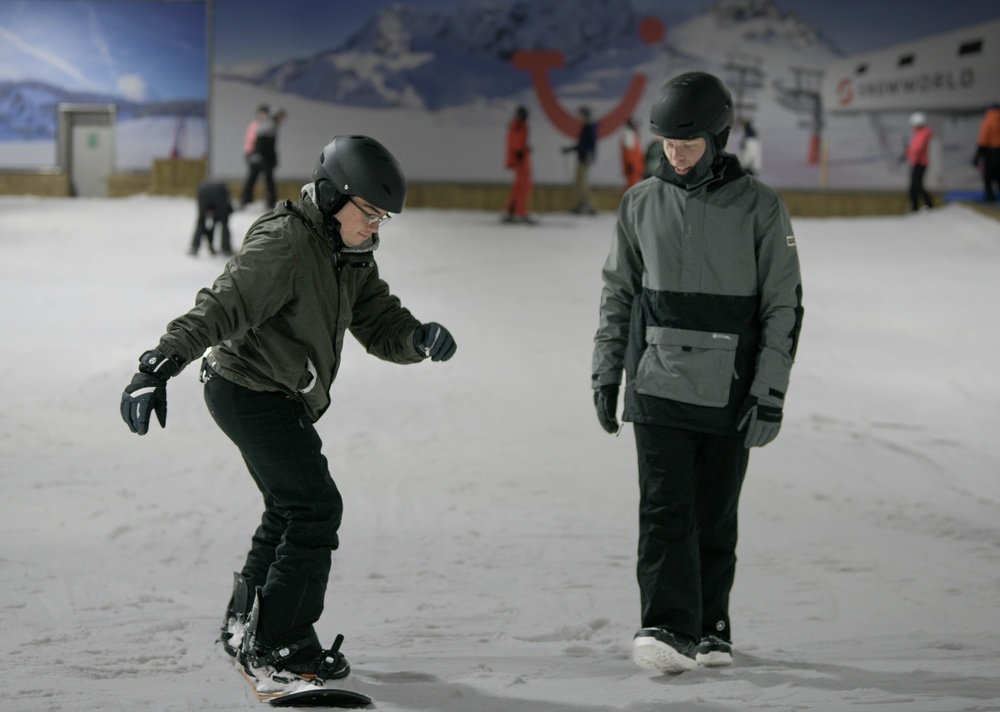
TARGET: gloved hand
(148,391)
(434,340)
(606,402)
(762,419)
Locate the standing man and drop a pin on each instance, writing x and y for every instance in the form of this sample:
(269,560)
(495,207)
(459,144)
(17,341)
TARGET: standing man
(275,322)
(917,155)
(701,308)
(518,158)
(586,153)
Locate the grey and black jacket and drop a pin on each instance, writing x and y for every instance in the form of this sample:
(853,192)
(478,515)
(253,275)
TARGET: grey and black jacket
(275,319)
(702,300)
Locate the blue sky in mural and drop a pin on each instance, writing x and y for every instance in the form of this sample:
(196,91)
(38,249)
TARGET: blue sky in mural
(142,51)
(254,31)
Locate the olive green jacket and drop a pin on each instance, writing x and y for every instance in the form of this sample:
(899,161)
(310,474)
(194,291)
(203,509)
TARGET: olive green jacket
(275,318)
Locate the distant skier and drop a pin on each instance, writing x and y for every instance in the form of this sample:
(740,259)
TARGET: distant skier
(274,322)
(518,158)
(214,208)
(751,149)
(260,152)
(917,156)
(632,155)
(701,308)
(585,149)
(987,157)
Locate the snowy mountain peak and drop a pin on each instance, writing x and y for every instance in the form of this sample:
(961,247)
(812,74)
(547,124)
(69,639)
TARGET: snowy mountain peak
(412,56)
(763,21)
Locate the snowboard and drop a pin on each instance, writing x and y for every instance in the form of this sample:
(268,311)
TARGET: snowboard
(325,697)
(315,697)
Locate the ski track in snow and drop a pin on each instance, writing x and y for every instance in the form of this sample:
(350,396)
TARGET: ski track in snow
(488,545)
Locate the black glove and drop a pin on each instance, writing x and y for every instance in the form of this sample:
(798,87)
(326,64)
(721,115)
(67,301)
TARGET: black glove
(606,402)
(148,391)
(762,419)
(434,340)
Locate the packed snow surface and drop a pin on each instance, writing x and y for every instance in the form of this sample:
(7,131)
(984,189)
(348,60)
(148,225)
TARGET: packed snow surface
(488,545)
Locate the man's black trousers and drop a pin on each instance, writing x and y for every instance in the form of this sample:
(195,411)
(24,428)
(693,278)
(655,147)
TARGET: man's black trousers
(689,486)
(290,551)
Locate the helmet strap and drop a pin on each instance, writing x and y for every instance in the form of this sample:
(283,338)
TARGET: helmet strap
(330,201)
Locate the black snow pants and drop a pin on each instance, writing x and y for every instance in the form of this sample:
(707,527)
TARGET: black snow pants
(290,552)
(689,487)
(918,193)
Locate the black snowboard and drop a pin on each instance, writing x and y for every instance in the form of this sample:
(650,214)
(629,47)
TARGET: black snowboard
(323,698)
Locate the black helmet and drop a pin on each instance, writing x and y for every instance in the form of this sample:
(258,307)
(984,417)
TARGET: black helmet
(361,166)
(693,104)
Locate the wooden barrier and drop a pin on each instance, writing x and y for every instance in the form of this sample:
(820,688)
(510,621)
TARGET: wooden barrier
(47,184)
(182,176)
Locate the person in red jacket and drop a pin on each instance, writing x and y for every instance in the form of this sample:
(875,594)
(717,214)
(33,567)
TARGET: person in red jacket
(633,155)
(518,158)
(988,152)
(916,156)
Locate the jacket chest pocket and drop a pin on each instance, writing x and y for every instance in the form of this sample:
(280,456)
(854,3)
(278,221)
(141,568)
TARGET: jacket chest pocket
(694,367)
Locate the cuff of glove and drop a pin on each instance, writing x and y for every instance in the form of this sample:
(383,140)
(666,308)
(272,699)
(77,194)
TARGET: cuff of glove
(156,363)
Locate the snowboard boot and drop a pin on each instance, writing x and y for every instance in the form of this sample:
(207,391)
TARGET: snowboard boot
(712,651)
(288,668)
(281,670)
(235,622)
(663,650)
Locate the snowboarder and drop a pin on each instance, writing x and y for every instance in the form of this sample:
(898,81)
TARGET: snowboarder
(701,307)
(274,322)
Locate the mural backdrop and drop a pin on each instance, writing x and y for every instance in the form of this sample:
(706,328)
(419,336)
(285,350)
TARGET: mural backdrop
(438,80)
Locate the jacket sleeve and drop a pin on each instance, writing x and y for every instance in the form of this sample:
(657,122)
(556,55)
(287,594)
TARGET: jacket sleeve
(622,275)
(255,284)
(383,325)
(779,285)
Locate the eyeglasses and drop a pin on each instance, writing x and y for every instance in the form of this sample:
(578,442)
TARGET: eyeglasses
(369,218)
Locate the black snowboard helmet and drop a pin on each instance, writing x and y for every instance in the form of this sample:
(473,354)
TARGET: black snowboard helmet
(691,105)
(359,166)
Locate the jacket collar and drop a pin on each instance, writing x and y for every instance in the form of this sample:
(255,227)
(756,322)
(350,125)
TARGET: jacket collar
(307,205)
(725,169)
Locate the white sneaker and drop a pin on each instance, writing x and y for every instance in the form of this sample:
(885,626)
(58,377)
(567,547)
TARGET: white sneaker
(662,650)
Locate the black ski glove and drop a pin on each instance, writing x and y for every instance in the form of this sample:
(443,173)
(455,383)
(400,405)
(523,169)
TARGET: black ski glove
(606,402)
(434,340)
(762,419)
(148,391)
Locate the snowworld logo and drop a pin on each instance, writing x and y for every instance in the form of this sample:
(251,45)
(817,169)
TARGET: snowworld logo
(918,84)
